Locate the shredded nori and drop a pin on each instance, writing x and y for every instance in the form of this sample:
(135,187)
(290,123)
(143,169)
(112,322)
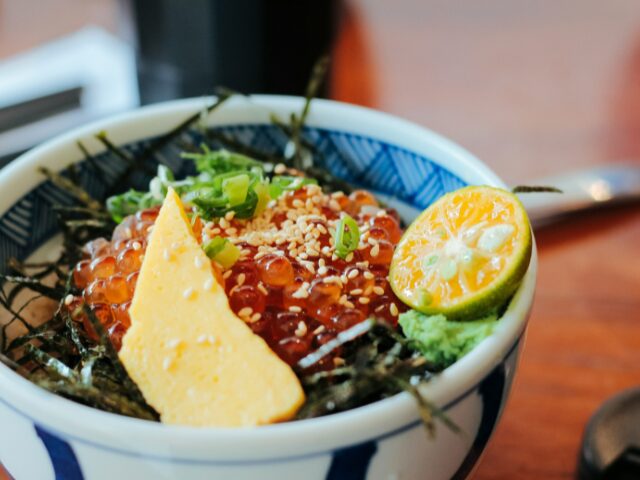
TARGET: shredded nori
(378,363)
(535,189)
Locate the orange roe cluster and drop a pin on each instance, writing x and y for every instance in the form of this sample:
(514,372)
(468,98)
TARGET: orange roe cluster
(288,284)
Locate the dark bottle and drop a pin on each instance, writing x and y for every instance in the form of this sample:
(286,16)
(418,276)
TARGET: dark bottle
(186,48)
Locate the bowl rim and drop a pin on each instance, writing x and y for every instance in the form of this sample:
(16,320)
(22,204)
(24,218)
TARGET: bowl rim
(84,423)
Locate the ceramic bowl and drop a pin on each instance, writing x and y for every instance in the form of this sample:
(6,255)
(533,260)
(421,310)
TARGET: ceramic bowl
(45,436)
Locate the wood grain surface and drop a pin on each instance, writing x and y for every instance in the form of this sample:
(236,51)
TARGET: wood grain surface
(532,88)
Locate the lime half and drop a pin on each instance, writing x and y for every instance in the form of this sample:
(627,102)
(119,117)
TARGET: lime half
(464,255)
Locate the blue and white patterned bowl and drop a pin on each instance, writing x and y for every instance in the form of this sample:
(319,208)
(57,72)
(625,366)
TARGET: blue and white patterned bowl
(45,436)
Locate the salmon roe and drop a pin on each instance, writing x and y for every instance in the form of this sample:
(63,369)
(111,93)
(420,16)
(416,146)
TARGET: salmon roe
(288,285)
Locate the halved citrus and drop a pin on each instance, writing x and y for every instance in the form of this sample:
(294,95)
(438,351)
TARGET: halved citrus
(465,254)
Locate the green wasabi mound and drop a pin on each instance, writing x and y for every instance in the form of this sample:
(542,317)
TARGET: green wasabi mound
(442,341)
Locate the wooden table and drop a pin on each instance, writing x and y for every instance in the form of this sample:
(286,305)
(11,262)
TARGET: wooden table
(532,88)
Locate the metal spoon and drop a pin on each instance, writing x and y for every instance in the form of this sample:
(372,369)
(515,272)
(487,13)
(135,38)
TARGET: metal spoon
(582,190)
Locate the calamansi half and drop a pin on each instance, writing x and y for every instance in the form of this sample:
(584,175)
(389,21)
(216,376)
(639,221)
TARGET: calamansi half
(464,255)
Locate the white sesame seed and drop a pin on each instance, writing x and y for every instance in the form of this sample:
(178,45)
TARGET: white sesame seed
(368,275)
(318,330)
(378,290)
(393,309)
(166,363)
(128,233)
(198,262)
(279,169)
(349,304)
(245,312)
(240,279)
(188,292)
(379,308)
(166,255)
(232,231)
(136,246)
(375,250)
(338,361)
(263,289)
(295,309)
(255,317)
(356,291)
(204,338)
(173,343)
(301,331)
(309,266)
(322,270)
(302,292)
(208,284)
(224,223)
(332,279)
(364,300)
(68,299)
(349,257)
(342,300)
(229,215)
(175,246)
(353,273)
(227,274)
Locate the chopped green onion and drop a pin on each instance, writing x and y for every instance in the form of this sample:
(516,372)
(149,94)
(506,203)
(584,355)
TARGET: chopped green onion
(128,203)
(214,246)
(281,183)
(346,236)
(221,161)
(222,251)
(236,188)
(263,198)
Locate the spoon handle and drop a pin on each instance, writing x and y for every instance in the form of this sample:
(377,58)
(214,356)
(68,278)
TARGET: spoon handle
(582,190)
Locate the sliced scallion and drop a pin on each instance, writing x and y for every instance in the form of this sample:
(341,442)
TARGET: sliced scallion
(282,183)
(222,251)
(236,188)
(346,237)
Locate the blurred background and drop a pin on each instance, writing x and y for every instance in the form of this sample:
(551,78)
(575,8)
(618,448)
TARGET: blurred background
(533,88)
